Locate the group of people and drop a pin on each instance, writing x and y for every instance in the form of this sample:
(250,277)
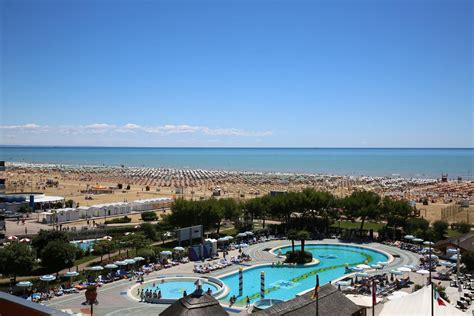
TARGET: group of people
(148,294)
(233,299)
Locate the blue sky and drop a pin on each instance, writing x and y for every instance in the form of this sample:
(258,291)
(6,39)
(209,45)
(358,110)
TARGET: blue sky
(237,73)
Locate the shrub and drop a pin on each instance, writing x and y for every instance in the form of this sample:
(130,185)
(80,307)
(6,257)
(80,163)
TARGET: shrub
(149,216)
(298,257)
(468,259)
(119,220)
(463,227)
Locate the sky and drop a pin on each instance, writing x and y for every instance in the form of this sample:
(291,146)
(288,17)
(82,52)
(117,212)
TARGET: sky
(355,73)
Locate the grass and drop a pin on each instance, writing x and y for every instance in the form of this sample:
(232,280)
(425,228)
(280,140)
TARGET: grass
(356,225)
(453,233)
(85,259)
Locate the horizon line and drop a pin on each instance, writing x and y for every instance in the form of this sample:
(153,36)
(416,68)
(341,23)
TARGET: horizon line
(226,147)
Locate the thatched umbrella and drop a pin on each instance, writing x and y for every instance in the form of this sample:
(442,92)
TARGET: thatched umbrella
(198,303)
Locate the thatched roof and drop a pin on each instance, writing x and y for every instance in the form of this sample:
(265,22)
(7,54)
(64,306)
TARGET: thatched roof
(331,302)
(466,242)
(191,305)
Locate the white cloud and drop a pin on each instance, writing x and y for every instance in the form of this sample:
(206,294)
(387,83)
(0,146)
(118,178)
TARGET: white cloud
(132,128)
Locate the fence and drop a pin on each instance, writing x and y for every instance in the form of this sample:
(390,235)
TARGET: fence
(457,214)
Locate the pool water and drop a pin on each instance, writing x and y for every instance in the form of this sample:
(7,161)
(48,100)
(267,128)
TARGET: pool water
(285,282)
(174,289)
(85,245)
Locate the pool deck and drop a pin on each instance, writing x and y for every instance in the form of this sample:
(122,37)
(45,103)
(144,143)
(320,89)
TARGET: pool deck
(113,298)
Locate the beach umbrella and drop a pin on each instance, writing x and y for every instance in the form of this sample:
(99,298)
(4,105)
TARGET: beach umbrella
(357,269)
(47,278)
(428,243)
(107,238)
(422,271)
(137,259)
(409,237)
(111,266)
(396,272)
(362,274)
(417,240)
(432,256)
(241,235)
(248,233)
(24,285)
(120,263)
(382,263)
(136,226)
(242,245)
(404,269)
(127,233)
(343,283)
(454,257)
(178,248)
(95,268)
(376,266)
(166,253)
(70,275)
(25,240)
(446,263)
(12,238)
(451,251)
(229,237)
(363,266)
(129,261)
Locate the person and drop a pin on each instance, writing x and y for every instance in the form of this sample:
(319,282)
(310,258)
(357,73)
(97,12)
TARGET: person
(185,293)
(209,291)
(141,296)
(159,294)
(248,301)
(231,301)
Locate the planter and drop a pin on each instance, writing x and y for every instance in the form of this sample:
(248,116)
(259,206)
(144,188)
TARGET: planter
(91,294)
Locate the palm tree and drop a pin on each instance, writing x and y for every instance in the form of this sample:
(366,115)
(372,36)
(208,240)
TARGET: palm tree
(292,235)
(303,235)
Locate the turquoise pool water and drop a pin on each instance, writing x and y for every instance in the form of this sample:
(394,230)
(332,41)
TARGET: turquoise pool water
(174,289)
(285,282)
(85,245)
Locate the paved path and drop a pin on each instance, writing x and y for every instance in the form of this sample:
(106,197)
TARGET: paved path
(113,299)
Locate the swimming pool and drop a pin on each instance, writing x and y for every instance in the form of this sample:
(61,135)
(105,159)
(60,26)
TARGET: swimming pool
(285,282)
(173,288)
(85,244)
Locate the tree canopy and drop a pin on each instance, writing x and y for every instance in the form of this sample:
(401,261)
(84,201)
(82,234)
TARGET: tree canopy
(16,259)
(40,241)
(58,255)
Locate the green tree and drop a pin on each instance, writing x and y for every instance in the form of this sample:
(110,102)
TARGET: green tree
(104,247)
(396,212)
(303,235)
(69,203)
(362,205)
(149,216)
(58,255)
(136,241)
(292,235)
(440,229)
(146,253)
(149,231)
(413,225)
(46,236)
(463,227)
(468,259)
(16,259)
(24,209)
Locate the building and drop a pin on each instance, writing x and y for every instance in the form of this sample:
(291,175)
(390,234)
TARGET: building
(2,177)
(331,302)
(11,305)
(37,201)
(62,215)
(464,242)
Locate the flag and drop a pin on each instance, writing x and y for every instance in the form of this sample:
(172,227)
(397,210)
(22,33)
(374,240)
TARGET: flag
(374,293)
(438,298)
(316,288)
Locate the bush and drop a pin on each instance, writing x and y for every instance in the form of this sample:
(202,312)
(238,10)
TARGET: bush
(468,259)
(119,220)
(298,257)
(439,229)
(462,227)
(149,216)
(149,231)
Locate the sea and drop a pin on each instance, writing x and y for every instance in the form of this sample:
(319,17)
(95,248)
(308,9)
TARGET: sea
(392,162)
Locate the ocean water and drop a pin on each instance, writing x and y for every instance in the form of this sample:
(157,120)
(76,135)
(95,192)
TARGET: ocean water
(285,282)
(419,163)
